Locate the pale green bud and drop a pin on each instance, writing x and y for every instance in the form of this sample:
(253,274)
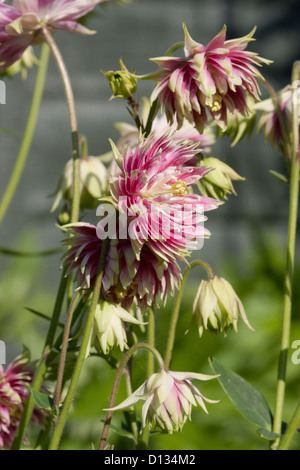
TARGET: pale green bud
(218,182)
(217,307)
(122,82)
(109,327)
(27,61)
(93,183)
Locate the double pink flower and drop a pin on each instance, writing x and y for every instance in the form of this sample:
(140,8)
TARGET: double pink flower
(213,78)
(20,24)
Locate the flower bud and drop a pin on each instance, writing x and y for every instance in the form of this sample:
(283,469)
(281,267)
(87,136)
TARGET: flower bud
(27,61)
(168,399)
(109,328)
(122,82)
(217,307)
(218,182)
(93,183)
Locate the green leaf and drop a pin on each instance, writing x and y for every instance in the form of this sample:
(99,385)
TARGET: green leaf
(280,176)
(265,434)
(120,431)
(249,401)
(42,400)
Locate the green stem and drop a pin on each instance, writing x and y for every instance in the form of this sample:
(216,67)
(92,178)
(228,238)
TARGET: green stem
(73,122)
(289,273)
(63,353)
(82,352)
(176,308)
(41,370)
(291,430)
(145,434)
(116,384)
(28,133)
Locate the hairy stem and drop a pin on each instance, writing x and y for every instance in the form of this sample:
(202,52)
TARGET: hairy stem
(63,352)
(73,122)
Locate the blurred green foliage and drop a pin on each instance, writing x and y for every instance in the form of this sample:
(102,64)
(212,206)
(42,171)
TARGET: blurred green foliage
(257,277)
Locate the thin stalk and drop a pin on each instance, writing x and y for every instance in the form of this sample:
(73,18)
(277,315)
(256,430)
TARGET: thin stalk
(116,384)
(42,368)
(73,121)
(63,353)
(291,430)
(176,308)
(145,434)
(289,273)
(131,410)
(82,352)
(28,133)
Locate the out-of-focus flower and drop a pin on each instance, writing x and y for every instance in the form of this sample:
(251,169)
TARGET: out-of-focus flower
(13,395)
(122,82)
(27,61)
(21,23)
(216,77)
(152,190)
(125,277)
(168,399)
(130,134)
(218,182)
(269,123)
(93,183)
(217,307)
(109,327)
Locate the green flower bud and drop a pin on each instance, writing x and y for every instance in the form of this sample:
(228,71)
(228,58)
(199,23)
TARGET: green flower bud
(218,182)
(122,82)
(109,328)
(93,183)
(217,307)
(27,61)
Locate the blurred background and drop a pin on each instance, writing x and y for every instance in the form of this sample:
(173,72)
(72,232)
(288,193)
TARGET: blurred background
(247,245)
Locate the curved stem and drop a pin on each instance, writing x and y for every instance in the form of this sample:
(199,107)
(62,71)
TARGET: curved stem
(289,273)
(82,352)
(73,121)
(63,353)
(291,430)
(28,133)
(176,308)
(144,437)
(116,384)
(41,370)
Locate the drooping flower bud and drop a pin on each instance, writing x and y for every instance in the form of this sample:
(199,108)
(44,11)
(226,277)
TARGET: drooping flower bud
(217,307)
(27,61)
(93,183)
(218,182)
(168,399)
(109,327)
(122,82)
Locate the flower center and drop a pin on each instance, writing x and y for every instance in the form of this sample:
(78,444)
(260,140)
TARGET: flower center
(215,103)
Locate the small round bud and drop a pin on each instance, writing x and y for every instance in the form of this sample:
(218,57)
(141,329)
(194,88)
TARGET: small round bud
(122,82)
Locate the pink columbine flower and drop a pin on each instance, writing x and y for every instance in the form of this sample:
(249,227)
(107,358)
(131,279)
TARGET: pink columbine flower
(152,189)
(13,395)
(216,77)
(168,399)
(20,24)
(269,122)
(125,278)
(130,134)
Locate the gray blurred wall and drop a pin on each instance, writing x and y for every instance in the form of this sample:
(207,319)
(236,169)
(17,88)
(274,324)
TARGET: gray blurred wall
(137,32)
